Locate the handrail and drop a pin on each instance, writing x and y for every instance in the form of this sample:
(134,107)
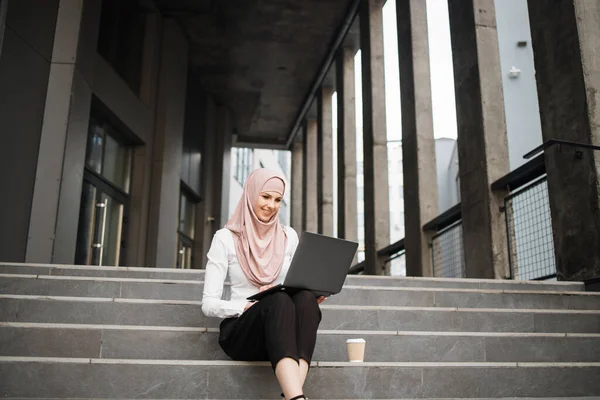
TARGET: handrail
(445,219)
(552,142)
(521,176)
(390,250)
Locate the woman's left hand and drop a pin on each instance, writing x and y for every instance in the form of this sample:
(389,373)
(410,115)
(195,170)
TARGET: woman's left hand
(321,299)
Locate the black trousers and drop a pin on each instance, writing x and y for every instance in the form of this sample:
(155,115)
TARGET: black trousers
(278,326)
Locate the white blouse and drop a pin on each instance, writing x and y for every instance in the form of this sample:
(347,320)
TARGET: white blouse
(223,262)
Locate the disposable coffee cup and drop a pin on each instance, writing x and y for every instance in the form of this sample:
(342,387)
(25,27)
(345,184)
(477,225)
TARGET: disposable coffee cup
(356,350)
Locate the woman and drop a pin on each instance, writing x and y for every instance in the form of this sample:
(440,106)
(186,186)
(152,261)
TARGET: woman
(256,251)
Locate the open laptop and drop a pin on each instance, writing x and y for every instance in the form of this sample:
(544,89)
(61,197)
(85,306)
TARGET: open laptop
(320,265)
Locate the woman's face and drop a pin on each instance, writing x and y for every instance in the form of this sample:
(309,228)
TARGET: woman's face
(267,205)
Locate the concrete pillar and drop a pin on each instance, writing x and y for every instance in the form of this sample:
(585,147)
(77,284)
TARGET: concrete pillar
(60,160)
(377,221)
(346,144)
(142,155)
(567,63)
(209,225)
(3,9)
(222,172)
(325,161)
(296,197)
(418,144)
(309,183)
(168,142)
(482,142)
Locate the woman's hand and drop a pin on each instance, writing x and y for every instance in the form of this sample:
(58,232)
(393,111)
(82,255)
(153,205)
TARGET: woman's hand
(248,305)
(321,299)
(263,288)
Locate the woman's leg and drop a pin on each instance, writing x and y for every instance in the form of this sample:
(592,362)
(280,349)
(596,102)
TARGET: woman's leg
(308,317)
(267,331)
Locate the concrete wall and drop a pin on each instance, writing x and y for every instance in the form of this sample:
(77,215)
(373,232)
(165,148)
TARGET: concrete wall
(24,71)
(520,92)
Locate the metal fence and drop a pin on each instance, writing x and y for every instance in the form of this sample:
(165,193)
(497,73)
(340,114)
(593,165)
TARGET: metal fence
(396,264)
(447,252)
(529,230)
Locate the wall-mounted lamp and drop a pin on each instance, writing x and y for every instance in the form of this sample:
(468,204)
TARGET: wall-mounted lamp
(514,72)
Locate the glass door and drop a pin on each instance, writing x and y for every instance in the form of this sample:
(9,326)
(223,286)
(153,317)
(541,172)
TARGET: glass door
(102,221)
(104,198)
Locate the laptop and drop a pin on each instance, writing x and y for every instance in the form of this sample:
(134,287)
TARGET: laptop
(320,265)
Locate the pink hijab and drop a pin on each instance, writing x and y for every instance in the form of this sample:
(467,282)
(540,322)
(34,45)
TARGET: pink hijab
(260,246)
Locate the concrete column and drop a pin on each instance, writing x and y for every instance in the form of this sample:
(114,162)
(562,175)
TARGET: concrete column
(418,144)
(222,172)
(377,221)
(309,184)
(209,225)
(3,8)
(567,63)
(325,161)
(482,142)
(346,144)
(142,155)
(168,142)
(296,197)
(60,163)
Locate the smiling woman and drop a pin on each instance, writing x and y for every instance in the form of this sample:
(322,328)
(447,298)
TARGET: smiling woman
(255,250)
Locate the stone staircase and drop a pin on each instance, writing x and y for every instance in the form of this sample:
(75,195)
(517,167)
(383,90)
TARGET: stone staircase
(104,332)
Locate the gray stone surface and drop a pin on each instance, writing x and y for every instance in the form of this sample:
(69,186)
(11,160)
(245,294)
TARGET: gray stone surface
(343,382)
(50,343)
(169,345)
(47,287)
(348,296)
(501,300)
(536,349)
(465,321)
(155,273)
(106,313)
(578,323)
(510,382)
(162,345)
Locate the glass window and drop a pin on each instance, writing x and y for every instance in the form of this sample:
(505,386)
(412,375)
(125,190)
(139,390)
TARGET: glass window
(94,147)
(116,163)
(187,215)
(283,213)
(121,38)
(107,156)
(243,164)
(282,157)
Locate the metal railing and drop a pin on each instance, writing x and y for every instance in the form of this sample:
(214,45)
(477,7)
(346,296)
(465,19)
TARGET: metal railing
(529,232)
(393,257)
(447,255)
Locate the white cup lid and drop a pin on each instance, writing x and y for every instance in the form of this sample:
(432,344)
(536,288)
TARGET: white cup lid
(355,341)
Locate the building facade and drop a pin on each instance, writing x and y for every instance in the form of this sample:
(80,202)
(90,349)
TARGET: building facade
(119,118)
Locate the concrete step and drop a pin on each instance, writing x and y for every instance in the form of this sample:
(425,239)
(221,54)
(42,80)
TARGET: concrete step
(78,286)
(160,342)
(177,379)
(116,311)
(175,274)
